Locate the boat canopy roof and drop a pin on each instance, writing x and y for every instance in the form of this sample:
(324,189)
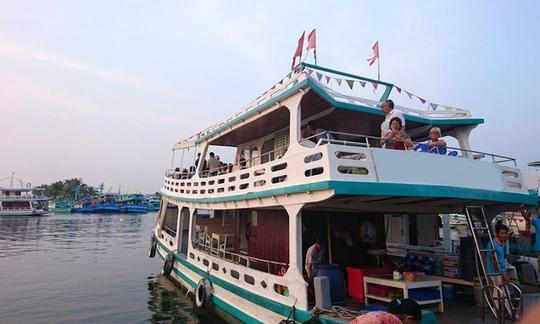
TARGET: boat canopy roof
(332,89)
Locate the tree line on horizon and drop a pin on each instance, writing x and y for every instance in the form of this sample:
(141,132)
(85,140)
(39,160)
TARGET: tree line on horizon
(66,189)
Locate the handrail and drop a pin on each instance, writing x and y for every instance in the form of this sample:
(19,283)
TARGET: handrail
(327,139)
(238,165)
(204,247)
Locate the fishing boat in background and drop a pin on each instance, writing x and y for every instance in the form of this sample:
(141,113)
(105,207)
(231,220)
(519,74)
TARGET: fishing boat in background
(236,236)
(152,202)
(22,201)
(61,206)
(133,203)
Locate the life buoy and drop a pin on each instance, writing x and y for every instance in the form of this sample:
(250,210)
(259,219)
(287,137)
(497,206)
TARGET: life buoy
(168,264)
(203,292)
(153,247)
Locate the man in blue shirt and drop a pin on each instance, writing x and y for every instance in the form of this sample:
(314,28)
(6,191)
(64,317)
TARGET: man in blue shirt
(536,223)
(501,235)
(495,257)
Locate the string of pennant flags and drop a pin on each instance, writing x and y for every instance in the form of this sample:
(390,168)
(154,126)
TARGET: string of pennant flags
(350,82)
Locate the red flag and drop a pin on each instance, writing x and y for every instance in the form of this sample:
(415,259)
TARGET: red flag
(375,85)
(422,100)
(298,52)
(327,78)
(398,89)
(312,43)
(375,56)
(312,40)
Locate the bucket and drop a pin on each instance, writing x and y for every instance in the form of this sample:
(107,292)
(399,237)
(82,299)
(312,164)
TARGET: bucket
(477,292)
(448,291)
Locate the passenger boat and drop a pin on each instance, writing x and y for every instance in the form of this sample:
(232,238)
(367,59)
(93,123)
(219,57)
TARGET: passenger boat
(22,201)
(236,235)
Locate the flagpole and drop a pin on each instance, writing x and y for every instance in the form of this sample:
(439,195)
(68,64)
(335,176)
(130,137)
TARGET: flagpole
(379,65)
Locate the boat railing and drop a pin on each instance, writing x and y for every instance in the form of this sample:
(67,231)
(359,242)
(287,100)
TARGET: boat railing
(350,139)
(269,156)
(3,197)
(267,266)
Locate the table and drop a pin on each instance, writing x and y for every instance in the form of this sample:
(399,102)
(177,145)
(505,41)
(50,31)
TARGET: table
(387,281)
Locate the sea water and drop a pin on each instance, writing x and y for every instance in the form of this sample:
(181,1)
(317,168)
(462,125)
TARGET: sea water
(86,268)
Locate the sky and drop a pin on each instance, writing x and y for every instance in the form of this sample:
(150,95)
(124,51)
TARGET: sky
(103,89)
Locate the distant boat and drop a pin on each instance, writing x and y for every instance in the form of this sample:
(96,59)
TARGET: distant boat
(152,202)
(103,204)
(23,201)
(61,206)
(134,203)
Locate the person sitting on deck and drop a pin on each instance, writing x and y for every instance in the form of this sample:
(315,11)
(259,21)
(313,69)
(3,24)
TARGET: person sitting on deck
(176,174)
(184,174)
(316,133)
(436,144)
(388,109)
(213,164)
(314,256)
(396,139)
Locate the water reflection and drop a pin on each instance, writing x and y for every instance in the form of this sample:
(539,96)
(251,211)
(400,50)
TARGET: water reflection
(86,268)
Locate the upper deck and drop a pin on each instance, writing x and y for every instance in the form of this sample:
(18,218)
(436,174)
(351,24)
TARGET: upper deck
(345,164)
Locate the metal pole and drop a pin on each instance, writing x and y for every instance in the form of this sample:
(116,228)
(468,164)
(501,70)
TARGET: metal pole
(329,237)
(379,65)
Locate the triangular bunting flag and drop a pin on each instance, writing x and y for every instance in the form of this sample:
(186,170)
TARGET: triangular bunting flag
(409,94)
(338,81)
(309,71)
(327,78)
(319,75)
(433,106)
(375,85)
(362,83)
(398,89)
(350,83)
(423,101)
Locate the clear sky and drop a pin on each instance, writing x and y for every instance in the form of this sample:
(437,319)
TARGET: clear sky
(103,89)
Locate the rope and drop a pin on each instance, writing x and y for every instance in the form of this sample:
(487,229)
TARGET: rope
(337,311)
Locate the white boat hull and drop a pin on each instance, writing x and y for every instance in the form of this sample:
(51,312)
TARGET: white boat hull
(28,212)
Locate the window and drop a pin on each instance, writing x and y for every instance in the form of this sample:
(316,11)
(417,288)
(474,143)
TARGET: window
(170,220)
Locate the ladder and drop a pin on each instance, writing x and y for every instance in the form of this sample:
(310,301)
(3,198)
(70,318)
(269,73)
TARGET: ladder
(496,293)
(519,240)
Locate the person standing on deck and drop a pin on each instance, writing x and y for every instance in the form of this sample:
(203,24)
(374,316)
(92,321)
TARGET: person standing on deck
(213,164)
(497,255)
(314,256)
(536,223)
(388,109)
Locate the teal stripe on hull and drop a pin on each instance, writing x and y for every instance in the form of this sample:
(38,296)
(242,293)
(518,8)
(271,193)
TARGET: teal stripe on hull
(216,300)
(379,189)
(276,307)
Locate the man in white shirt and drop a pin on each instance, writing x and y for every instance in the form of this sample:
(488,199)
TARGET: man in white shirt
(388,109)
(213,164)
